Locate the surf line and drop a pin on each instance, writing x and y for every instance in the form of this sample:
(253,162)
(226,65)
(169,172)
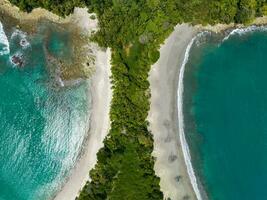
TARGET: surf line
(4,41)
(185,147)
(245,30)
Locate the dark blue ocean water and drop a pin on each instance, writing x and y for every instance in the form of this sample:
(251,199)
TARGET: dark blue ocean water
(225,108)
(42,125)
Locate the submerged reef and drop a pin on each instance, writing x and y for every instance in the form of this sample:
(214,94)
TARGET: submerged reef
(68,55)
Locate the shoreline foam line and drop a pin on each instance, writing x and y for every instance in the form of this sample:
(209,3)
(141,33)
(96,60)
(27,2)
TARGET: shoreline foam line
(185,148)
(4,41)
(244,30)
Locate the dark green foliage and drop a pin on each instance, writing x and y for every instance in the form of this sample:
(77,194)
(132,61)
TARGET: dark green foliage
(134,29)
(196,11)
(59,7)
(125,166)
(246,11)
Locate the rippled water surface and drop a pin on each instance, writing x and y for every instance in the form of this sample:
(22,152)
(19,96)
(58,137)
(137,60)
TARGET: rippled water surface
(42,125)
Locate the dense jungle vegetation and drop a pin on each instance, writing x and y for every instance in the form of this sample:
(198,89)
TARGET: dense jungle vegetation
(196,11)
(134,29)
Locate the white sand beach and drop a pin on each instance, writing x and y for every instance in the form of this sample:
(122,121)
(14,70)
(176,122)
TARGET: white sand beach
(163,117)
(99,127)
(100,91)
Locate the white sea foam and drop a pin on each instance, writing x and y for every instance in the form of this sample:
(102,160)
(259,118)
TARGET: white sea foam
(24,43)
(185,148)
(202,37)
(63,138)
(242,31)
(17,54)
(17,33)
(4,41)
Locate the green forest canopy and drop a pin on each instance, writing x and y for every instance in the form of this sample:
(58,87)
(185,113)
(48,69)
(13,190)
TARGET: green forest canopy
(134,29)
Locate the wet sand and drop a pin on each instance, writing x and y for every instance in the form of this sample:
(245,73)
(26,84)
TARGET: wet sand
(163,117)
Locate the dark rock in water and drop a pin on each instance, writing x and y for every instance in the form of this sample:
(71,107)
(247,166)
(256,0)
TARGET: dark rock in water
(17,60)
(23,42)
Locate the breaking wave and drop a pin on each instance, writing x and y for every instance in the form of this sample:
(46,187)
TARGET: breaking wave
(242,31)
(185,147)
(3,41)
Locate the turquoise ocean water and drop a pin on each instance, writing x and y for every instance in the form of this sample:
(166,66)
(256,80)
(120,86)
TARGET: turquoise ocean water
(225,109)
(42,125)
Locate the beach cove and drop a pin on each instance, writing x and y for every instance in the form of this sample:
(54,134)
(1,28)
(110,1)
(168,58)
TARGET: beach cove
(165,120)
(62,90)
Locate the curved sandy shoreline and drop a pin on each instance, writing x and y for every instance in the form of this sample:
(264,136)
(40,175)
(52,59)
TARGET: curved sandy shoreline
(173,163)
(185,147)
(100,90)
(163,115)
(101,94)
